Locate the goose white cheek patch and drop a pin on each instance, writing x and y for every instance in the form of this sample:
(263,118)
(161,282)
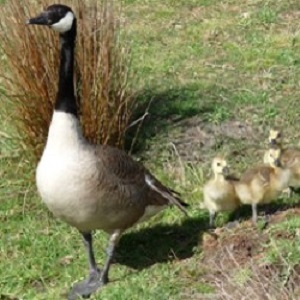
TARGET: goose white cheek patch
(65,23)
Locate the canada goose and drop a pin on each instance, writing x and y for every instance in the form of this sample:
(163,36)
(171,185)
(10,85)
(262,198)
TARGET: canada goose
(275,140)
(262,184)
(90,187)
(219,193)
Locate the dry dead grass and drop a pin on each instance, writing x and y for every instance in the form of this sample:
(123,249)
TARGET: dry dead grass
(29,65)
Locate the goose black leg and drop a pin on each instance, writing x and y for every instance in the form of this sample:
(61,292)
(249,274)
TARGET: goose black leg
(86,287)
(88,244)
(113,241)
(96,278)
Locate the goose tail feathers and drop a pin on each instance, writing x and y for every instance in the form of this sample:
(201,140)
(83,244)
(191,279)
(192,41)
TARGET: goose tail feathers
(170,195)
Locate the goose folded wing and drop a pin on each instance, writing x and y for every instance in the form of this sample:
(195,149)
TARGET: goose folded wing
(128,172)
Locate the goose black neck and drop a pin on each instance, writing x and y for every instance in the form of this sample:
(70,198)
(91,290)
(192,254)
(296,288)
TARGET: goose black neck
(66,100)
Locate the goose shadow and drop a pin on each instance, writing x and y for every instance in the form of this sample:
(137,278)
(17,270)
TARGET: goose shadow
(166,107)
(167,242)
(161,243)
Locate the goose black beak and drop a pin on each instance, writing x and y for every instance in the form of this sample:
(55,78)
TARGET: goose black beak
(41,19)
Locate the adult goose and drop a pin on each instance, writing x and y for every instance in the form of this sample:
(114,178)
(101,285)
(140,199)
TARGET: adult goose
(90,186)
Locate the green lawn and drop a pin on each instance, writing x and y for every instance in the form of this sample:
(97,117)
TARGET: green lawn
(203,64)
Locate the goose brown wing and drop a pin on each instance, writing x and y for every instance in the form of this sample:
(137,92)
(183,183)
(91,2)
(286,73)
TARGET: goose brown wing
(121,168)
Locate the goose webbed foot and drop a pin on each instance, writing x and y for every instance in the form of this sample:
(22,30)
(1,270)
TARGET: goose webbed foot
(85,288)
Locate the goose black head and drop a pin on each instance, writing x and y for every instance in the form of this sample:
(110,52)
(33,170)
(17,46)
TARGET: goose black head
(57,16)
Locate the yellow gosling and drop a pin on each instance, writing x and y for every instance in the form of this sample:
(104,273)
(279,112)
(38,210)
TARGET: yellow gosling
(219,193)
(262,184)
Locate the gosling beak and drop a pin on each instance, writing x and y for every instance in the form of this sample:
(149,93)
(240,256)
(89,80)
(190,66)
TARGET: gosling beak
(41,19)
(273,142)
(277,163)
(225,171)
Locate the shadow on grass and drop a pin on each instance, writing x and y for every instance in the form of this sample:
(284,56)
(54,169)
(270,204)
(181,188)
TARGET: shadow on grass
(160,243)
(168,107)
(164,243)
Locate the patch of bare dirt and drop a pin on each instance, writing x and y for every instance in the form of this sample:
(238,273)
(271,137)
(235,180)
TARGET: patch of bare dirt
(194,137)
(241,244)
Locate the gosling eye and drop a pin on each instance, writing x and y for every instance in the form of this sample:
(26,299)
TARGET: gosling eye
(218,164)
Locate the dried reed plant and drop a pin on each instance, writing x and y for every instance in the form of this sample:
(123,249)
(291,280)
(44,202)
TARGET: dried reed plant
(29,71)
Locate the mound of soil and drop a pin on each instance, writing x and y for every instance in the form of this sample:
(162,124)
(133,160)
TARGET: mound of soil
(237,266)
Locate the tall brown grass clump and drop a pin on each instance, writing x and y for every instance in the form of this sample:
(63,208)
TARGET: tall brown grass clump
(29,71)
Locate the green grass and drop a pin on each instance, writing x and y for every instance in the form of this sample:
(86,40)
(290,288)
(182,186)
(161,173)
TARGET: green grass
(207,61)
(285,242)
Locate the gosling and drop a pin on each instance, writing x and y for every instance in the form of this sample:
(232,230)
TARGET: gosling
(219,193)
(263,183)
(275,140)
